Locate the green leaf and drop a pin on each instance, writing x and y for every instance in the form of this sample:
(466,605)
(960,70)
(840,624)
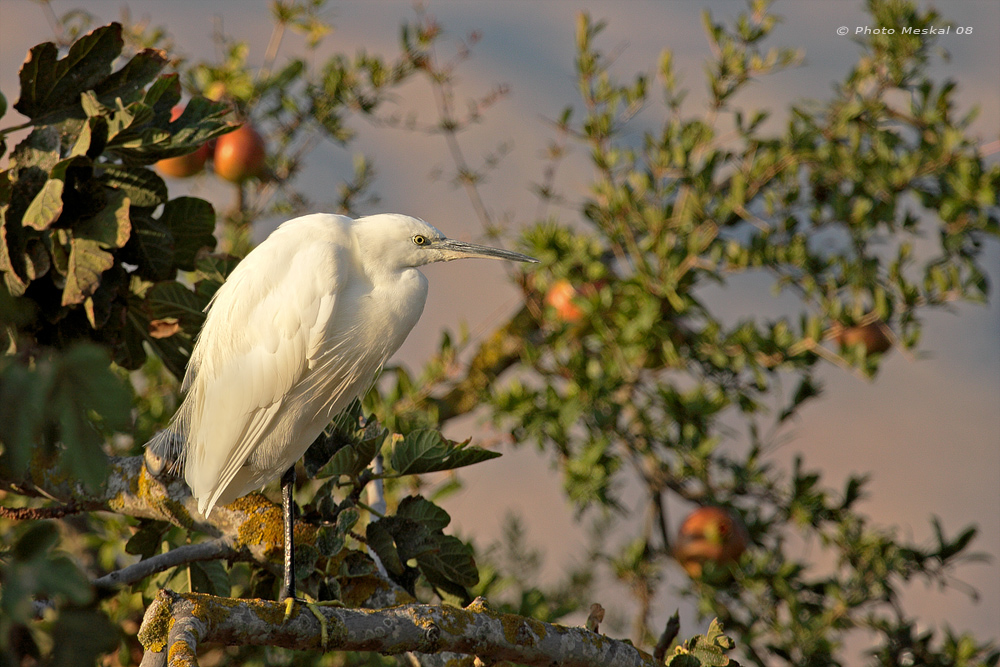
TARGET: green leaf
(367,449)
(682,660)
(150,248)
(451,561)
(192,224)
(131,123)
(381,542)
(40,538)
(92,139)
(329,541)
(110,227)
(347,518)
(38,152)
(216,268)
(171,299)
(3,106)
(708,650)
(445,561)
(322,450)
(423,511)
(84,385)
(345,462)
(128,82)
(174,350)
(46,207)
(148,539)
(306,557)
(81,636)
(142,186)
(92,106)
(163,95)
(348,449)
(209,577)
(356,564)
(11,260)
(428,451)
(63,576)
(86,264)
(34,571)
(51,86)
(212,271)
(151,136)
(22,413)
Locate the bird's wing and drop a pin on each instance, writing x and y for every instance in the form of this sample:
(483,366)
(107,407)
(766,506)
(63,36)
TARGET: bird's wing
(262,336)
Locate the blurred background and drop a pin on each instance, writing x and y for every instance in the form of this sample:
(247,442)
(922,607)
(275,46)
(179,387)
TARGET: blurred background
(927,430)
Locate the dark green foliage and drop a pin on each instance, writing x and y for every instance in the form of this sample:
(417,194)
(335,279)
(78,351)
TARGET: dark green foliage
(32,571)
(59,411)
(78,205)
(341,457)
(33,568)
(415,532)
(428,451)
(148,539)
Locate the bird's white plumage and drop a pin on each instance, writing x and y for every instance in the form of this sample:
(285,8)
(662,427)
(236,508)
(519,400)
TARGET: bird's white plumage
(279,355)
(298,331)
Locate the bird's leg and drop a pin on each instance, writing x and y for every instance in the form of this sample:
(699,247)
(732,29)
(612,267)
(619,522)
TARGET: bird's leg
(288,507)
(288,586)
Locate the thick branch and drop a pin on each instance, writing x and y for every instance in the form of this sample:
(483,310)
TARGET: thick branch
(175,624)
(131,490)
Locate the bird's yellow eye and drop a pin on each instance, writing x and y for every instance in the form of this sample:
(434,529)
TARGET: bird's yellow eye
(420,240)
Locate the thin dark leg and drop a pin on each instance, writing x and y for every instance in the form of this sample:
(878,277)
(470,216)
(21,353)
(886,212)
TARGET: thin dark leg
(288,507)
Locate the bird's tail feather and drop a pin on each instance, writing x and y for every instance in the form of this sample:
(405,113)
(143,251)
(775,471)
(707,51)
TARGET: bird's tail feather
(168,447)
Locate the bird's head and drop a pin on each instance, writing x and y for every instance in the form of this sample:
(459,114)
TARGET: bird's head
(395,242)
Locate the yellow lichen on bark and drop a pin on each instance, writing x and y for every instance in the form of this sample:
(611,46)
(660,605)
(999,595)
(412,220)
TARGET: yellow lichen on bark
(155,628)
(522,631)
(262,526)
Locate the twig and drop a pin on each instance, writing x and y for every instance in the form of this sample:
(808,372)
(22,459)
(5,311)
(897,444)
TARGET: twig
(271,54)
(667,638)
(36,513)
(54,23)
(595,618)
(221,547)
(661,515)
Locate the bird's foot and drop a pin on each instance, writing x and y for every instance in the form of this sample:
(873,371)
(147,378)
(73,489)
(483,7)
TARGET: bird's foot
(313,607)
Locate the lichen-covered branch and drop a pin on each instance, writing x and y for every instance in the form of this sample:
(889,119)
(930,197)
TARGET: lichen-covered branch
(253,522)
(175,624)
(248,528)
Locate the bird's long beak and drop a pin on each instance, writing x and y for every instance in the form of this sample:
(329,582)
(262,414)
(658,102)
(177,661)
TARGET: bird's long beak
(452,249)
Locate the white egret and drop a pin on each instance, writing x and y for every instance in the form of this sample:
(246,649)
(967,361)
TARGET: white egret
(299,330)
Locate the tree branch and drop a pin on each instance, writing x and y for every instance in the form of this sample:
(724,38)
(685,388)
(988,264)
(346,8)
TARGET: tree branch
(36,513)
(497,353)
(175,624)
(250,527)
(221,547)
